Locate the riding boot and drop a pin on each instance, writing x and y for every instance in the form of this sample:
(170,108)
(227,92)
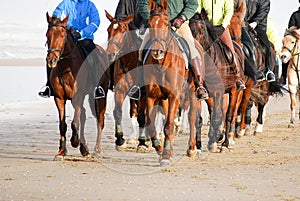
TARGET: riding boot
(48,90)
(240,84)
(134,92)
(270,76)
(258,76)
(201,92)
(99,92)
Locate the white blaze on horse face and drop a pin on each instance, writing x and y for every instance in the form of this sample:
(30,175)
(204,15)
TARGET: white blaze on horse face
(115,26)
(156,22)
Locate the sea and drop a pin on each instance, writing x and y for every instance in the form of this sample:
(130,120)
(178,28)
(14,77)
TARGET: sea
(22,36)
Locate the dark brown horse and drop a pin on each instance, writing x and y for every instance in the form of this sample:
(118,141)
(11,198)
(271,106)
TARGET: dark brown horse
(122,50)
(257,92)
(72,78)
(164,71)
(221,85)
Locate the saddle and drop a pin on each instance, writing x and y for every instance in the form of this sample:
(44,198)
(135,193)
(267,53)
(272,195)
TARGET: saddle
(226,52)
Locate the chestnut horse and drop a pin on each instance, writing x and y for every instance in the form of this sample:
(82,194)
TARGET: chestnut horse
(164,72)
(221,86)
(72,79)
(255,92)
(290,53)
(122,50)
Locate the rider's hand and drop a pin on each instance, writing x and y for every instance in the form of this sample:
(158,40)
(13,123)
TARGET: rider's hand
(252,25)
(179,21)
(76,35)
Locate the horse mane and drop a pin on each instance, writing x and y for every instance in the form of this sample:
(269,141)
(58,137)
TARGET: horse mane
(293,31)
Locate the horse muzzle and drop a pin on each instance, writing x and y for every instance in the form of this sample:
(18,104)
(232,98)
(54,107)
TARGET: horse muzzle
(285,57)
(158,54)
(52,62)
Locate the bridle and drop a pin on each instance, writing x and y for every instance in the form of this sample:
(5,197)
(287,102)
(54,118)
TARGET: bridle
(61,51)
(239,38)
(116,43)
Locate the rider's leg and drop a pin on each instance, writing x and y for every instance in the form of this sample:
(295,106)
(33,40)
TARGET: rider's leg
(270,76)
(226,39)
(48,91)
(251,63)
(197,64)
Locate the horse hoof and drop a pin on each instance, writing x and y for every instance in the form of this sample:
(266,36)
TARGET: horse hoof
(165,162)
(121,147)
(291,125)
(191,153)
(213,148)
(241,133)
(58,158)
(224,149)
(74,141)
(142,149)
(84,150)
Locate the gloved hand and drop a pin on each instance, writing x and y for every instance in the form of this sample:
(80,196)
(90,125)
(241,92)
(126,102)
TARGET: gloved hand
(76,35)
(252,25)
(179,21)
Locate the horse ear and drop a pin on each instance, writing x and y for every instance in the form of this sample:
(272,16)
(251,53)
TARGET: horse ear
(151,5)
(129,18)
(109,17)
(164,4)
(240,9)
(64,22)
(48,17)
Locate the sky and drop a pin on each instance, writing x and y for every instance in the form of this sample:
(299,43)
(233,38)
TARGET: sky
(27,22)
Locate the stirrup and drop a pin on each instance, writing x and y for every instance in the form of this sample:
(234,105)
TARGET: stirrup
(46,93)
(271,76)
(99,92)
(134,92)
(202,96)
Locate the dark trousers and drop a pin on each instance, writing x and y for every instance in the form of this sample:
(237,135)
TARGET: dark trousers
(262,35)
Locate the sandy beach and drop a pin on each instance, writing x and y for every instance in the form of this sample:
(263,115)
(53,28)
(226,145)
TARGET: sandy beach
(261,167)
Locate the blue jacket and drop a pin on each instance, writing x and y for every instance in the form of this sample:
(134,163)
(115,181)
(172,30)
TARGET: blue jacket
(84,16)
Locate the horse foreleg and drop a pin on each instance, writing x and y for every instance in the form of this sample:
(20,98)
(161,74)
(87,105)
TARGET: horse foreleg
(169,131)
(245,108)
(60,104)
(100,105)
(293,109)
(259,119)
(134,123)
(192,123)
(150,125)
(119,99)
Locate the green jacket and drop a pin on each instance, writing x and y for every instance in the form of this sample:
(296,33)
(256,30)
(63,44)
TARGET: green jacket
(187,8)
(222,11)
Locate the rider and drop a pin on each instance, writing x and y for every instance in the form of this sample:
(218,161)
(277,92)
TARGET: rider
(179,13)
(84,20)
(256,17)
(251,63)
(123,10)
(220,13)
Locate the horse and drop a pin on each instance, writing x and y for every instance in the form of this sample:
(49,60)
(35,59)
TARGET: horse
(164,72)
(122,50)
(257,92)
(290,53)
(221,86)
(72,79)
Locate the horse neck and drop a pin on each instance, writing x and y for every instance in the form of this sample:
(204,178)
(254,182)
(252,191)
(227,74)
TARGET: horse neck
(130,49)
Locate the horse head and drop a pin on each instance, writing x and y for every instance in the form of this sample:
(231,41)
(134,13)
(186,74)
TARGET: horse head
(118,32)
(290,44)
(235,27)
(159,28)
(56,39)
